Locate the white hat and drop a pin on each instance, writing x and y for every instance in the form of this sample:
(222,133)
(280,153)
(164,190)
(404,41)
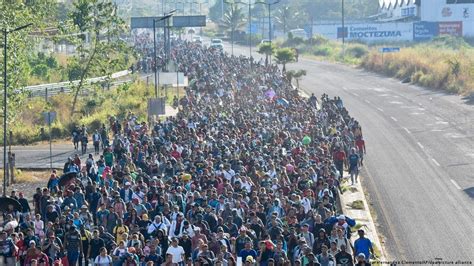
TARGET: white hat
(341,217)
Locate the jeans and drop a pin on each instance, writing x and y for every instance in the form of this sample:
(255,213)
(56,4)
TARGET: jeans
(354,174)
(72,257)
(7,261)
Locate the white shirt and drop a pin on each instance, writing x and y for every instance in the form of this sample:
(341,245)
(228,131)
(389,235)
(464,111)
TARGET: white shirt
(102,261)
(177,253)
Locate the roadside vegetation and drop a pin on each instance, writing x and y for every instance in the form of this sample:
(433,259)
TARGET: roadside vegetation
(94,108)
(446,63)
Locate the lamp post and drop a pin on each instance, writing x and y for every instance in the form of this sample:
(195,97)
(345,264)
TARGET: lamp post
(343,30)
(249,4)
(269,5)
(157,81)
(232,4)
(5,86)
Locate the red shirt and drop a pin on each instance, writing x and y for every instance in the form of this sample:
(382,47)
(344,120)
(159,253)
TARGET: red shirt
(339,155)
(360,143)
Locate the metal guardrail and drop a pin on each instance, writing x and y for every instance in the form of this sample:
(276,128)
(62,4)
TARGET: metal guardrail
(65,87)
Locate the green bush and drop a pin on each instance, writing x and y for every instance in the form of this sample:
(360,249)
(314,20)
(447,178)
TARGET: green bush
(40,70)
(322,50)
(357,50)
(317,40)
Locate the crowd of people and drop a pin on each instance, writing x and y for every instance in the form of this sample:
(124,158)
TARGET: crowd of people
(247,173)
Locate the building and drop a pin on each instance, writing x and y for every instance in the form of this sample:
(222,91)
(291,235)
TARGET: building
(456,17)
(406,21)
(397,10)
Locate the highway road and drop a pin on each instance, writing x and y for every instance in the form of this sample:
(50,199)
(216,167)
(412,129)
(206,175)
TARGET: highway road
(419,169)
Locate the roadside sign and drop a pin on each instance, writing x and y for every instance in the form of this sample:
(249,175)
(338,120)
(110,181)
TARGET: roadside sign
(156,106)
(390,49)
(146,22)
(176,21)
(49,117)
(189,21)
(425,30)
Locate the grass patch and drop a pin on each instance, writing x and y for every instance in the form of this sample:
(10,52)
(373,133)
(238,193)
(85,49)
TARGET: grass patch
(357,227)
(377,253)
(28,176)
(93,109)
(357,205)
(446,63)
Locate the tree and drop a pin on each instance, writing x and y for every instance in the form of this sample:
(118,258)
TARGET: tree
(285,56)
(283,17)
(266,49)
(100,50)
(297,75)
(233,20)
(20,44)
(216,11)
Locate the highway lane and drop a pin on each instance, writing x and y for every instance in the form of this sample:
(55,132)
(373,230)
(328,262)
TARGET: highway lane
(419,168)
(419,171)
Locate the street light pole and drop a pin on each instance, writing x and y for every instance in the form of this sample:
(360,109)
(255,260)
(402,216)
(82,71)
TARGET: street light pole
(232,4)
(154,58)
(269,5)
(249,4)
(5,115)
(5,34)
(343,30)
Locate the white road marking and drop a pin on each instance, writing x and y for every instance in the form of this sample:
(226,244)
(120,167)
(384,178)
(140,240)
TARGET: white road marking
(420,145)
(406,129)
(355,94)
(435,162)
(438,118)
(441,123)
(454,135)
(437,130)
(395,102)
(367,101)
(455,184)
(393,118)
(416,113)
(344,88)
(380,109)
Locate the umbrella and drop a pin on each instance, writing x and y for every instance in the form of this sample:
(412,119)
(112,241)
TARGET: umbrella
(283,102)
(66,178)
(5,202)
(270,93)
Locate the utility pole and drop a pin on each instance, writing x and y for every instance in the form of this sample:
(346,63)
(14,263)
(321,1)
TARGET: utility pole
(343,31)
(269,5)
(249,4)
(155,58)
(5,114)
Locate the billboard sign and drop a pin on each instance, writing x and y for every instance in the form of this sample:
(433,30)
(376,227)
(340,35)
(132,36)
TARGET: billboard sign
(376,32)
(189,21)
(177,21)
(424,31)
(146,22)
(453,28)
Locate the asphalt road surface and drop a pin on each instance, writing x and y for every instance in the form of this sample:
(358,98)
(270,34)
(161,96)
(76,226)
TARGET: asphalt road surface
(419,168)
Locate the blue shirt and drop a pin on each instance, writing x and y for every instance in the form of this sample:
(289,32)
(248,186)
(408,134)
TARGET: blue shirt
(363,245)
(353,160)
(244,253)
